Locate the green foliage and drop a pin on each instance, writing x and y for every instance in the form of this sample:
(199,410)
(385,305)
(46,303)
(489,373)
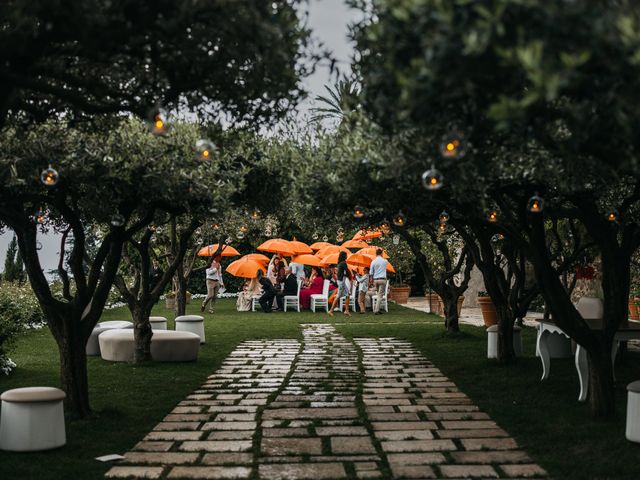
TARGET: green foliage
(13,266)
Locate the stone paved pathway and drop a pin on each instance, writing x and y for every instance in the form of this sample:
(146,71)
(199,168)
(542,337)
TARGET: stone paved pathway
(327,409)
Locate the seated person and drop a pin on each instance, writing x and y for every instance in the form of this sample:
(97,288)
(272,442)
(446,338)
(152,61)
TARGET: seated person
(269,292)
(289,287)
(245,297)
(316,287)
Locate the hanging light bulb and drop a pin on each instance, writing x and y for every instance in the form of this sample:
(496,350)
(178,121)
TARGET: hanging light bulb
(396,239)
(492,216)
(325,239)
(535,204)
(442,228)
(206,150)
(315,236)
(399,220)
(49,177)
(444,217)
(497,237)
(255,214)
(158,121)
(244,229)
(40,217)
(358,212)
(612,215)
(38,245)
(385,227)
(432,179)
(118,220)
(340,237)
(452,146)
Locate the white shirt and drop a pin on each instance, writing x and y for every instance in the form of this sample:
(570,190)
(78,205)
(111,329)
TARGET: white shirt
(298,270)
(378,268)
(363,282)
(213,273)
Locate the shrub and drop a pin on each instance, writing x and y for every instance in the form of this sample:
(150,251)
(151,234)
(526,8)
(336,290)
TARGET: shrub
(19,310)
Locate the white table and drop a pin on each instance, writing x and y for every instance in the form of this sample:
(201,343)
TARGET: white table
(546,328)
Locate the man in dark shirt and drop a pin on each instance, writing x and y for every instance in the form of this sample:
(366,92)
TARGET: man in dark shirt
(155,273)
(269,292)
(290,288)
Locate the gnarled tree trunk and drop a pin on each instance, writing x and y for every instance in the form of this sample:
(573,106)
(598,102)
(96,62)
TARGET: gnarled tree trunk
(142,334)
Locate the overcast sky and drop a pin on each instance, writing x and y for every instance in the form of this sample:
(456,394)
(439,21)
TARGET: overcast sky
(329,20)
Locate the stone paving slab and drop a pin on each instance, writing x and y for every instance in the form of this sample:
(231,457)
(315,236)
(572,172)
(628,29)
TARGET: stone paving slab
(328,408)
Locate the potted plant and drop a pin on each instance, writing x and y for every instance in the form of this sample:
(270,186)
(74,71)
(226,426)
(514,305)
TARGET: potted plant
(634,306)
(435,304)
(399,293)
(460,301)
(170,300)
(489,314)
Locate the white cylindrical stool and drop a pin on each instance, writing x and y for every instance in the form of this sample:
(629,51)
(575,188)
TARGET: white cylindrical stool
(32,419)
(158,323)
(492,341)
(632,431)
(191,323)
(517,340)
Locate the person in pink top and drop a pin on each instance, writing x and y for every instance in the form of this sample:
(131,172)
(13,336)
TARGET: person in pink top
(315,287)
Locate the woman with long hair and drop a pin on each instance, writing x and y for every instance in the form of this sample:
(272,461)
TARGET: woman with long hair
(343,275)
(315,287)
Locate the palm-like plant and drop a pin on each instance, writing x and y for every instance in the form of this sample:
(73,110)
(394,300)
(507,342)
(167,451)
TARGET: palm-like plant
(341,100)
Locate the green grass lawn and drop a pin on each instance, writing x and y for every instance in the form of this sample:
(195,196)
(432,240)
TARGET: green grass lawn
(128,400)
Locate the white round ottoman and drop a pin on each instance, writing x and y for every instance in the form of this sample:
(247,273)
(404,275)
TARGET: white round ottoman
(93,347)
(166,346)
(191,323)
(158,323)
(632,431)
(32,419)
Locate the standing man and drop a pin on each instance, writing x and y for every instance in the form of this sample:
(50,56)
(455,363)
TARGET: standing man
(155,274)
(378,271)
(298,270)
(269,292)
(214,282)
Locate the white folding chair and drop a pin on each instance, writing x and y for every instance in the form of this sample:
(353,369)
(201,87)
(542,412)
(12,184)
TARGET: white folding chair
(321,299)
(255,302)
(293,300)
(385,302)
(352,297)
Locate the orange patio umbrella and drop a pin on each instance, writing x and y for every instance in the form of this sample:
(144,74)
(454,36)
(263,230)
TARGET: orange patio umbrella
(209,250)
(319,245)
(364,260)
(368,234)
(245,268)
(277,245)
(258,257)
(355,244)
(331,259)
(372,251)
(307,259)
(300,248)
(323,252)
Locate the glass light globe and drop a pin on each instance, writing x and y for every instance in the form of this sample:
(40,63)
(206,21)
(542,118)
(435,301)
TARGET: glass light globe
(358,212)
(228,240)
(453,146)
(158,122)
(255,214)
(432,179)
(40,217)
(240,235)
(612,215)
(396,239)
(49,176)
(325,239)
(315,236)
(492,216)
(118,220)
(444,216)
(206,150)
(535,204)
(399,220)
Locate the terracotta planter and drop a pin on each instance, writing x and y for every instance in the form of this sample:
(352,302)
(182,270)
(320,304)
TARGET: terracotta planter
(489,314)
(400,294)
(170,302)
(634,309)
(436,304)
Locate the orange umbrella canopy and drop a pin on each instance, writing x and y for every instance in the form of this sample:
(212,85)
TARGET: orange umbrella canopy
(300,248)
(372,251)
(331,259)
(355,244)
(319,245)
(364,260)
(209,250)
(368,234)
(307,259)
(258,257)
(245,268)
(323,252)
(277,245)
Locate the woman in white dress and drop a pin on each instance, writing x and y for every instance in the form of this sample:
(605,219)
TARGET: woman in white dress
(249,290)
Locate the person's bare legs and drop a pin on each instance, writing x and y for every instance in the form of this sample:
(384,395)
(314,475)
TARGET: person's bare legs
(346,306)
(362,301)
(333,305)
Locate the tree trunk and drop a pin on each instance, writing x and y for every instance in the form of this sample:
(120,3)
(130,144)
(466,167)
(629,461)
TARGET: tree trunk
(601,395)
(451,321)
(181,292)
(506,353)
(142,334)
(73,370)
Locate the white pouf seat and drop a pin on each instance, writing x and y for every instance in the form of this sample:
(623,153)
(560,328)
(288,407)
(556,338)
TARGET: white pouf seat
(32,419)
(93,347)
(492,341)
(166,346)
(158,323)
(632,431)
(191,323)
